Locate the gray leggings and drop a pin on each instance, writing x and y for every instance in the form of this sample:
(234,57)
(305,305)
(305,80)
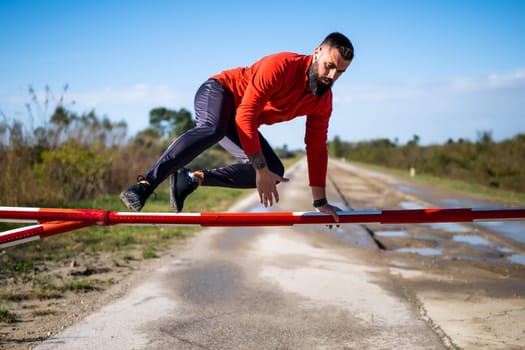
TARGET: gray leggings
(215,123)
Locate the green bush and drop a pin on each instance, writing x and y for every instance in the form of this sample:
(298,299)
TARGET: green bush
(492,164)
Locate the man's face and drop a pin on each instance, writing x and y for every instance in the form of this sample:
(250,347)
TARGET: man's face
(327,66)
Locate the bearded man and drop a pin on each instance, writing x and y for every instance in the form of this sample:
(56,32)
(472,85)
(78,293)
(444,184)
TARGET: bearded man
(229,109)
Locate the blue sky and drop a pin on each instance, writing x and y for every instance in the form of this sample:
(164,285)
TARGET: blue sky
(436,69)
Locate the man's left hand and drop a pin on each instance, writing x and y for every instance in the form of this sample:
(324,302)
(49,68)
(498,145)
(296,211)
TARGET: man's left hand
(331,210)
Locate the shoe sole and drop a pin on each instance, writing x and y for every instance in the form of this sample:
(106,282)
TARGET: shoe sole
(131,202)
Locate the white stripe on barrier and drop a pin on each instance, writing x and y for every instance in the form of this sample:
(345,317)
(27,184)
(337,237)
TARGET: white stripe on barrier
(19,241)
(19,229)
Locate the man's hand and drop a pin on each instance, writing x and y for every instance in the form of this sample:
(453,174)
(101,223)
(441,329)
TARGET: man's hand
(330,209)
(266,182)
(319,194)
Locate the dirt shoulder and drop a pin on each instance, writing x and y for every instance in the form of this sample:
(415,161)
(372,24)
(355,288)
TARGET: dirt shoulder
(94,281)
(461,276)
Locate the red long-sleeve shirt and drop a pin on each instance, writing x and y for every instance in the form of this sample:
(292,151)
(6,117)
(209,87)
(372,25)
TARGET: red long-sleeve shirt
(275,89)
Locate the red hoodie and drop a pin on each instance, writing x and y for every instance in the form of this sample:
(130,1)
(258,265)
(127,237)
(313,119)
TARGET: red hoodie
(275,89)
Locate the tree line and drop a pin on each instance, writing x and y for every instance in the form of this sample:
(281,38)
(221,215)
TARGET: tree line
(486,162)
(76,156)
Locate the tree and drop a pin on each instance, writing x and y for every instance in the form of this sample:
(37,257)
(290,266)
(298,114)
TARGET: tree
(335,148)
(414,141)
(170,123)
(484,137)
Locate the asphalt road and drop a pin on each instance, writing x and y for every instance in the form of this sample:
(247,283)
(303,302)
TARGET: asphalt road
(305,287)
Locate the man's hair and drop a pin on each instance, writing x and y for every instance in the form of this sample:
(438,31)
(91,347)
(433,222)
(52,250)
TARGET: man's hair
(341,43)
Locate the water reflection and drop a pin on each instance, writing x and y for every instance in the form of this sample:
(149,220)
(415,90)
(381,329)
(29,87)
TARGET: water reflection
(391,233)
(517,259)
(421,251)
(472,240)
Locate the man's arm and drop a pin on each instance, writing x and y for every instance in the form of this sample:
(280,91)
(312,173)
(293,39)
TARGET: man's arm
(321,204)
(265,180)
(317,153)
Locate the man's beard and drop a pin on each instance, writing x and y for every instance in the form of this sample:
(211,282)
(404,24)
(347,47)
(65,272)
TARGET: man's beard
(317,87)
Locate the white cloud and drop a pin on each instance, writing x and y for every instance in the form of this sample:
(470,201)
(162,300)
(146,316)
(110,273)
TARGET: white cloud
(493,81)
(413,90)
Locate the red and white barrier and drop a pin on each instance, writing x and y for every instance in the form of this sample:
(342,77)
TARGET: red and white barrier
(53,220)
(36,232)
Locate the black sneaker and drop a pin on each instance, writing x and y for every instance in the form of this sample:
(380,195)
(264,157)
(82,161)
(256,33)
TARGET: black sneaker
(181,185)
(135,196)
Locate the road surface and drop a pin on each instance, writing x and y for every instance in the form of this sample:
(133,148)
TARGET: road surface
(309,287)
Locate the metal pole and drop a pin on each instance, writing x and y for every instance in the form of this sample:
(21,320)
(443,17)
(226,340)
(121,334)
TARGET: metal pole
(56,220)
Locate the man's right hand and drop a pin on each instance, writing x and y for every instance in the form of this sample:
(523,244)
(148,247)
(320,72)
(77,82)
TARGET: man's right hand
(266,182)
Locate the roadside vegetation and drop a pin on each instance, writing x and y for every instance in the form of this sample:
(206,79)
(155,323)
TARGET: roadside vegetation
(484,167)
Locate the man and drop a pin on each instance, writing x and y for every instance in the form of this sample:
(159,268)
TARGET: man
(230,107)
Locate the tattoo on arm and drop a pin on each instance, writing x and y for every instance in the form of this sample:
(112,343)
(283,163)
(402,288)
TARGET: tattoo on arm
(257,160)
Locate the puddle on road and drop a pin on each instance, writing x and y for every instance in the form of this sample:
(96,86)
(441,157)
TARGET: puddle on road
(353,234)
(472,240)
(410,205)
(517,259)
(421,251)
(391,234)
(408,189)
(483,249)
(504,250)
(507,253)
(511,229)
(462,203)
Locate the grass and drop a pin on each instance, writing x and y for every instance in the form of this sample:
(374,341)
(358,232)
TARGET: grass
(46,291)
(149,252)
(115,239)
(482,192)
(77,286)
(27,263)
(124,243)
(21,266)
(6,315)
